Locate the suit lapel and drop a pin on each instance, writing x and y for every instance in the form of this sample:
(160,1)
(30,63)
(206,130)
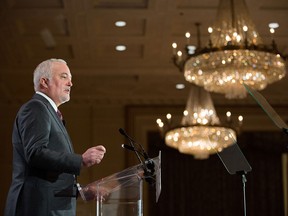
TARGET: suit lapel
(56,118)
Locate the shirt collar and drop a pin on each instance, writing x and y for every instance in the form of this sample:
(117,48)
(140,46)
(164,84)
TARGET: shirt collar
(49,99)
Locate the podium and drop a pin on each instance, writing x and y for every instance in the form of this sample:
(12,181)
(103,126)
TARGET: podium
(121,194)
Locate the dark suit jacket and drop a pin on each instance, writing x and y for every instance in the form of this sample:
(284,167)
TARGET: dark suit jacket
(44,165)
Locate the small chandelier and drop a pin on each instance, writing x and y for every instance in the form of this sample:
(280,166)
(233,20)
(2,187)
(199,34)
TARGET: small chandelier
(235,54)
(200,132)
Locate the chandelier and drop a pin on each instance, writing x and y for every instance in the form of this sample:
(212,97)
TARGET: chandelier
(234,54)
(200,132)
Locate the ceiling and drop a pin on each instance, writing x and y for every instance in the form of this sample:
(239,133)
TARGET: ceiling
(83,33)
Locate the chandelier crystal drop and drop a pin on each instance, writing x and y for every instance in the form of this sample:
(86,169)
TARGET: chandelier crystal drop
(235,54)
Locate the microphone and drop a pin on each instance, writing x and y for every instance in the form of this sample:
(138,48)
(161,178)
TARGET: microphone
(122,131)
(148,164)
(144,153)
(132,147)
(127,147)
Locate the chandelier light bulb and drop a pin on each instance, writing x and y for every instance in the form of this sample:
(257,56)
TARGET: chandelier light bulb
(185,113)
(168,116)
(240,118)
(228,115)
(238,38)
(187,35)
(228,38)
(210,30)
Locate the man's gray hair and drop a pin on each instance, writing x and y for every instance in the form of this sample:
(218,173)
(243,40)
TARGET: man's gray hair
(44,70)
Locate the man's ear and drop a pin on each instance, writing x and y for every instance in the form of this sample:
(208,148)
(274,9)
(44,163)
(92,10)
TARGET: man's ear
(44,82)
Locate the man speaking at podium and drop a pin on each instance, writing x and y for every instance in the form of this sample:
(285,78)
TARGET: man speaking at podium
(44,163)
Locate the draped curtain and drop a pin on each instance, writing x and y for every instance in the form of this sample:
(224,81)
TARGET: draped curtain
(204,188)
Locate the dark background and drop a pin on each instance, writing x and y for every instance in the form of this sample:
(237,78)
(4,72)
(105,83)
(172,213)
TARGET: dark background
(204,187)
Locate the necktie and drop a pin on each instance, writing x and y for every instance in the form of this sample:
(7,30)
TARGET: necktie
(60,115)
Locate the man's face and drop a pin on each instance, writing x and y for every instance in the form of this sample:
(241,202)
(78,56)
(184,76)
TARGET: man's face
(59,86)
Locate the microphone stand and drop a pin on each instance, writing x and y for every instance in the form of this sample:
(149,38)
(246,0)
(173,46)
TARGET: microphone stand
(148,164)
(131,141)
(244,180)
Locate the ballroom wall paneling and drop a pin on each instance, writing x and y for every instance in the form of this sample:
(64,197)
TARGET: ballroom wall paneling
(7,115)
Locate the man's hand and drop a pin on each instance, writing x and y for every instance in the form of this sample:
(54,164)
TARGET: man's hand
(91,192)
(93,155)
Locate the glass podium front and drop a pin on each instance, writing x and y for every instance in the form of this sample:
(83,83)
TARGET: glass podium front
(121,194)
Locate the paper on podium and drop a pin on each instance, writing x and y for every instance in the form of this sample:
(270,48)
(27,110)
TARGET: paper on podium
(232,157)
(267,108)
(129,177)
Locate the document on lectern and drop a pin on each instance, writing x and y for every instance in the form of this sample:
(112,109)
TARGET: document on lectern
(268,109)
(231,156)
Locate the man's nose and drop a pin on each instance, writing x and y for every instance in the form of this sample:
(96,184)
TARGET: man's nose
(70,83)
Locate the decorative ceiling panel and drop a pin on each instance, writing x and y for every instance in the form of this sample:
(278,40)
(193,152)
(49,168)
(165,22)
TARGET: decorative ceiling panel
(19,4)
(120,3)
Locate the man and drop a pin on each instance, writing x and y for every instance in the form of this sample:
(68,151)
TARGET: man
(44,164)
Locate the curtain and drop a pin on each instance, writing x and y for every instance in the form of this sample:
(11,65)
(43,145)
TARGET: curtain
(204,188)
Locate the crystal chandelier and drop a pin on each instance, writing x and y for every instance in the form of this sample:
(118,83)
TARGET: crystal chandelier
(235,54)
(200,132)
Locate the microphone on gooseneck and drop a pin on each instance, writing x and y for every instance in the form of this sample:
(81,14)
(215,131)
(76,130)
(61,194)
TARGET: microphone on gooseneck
(128,147)
(132,146)
(122,131)
(144,153)
(148,164)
